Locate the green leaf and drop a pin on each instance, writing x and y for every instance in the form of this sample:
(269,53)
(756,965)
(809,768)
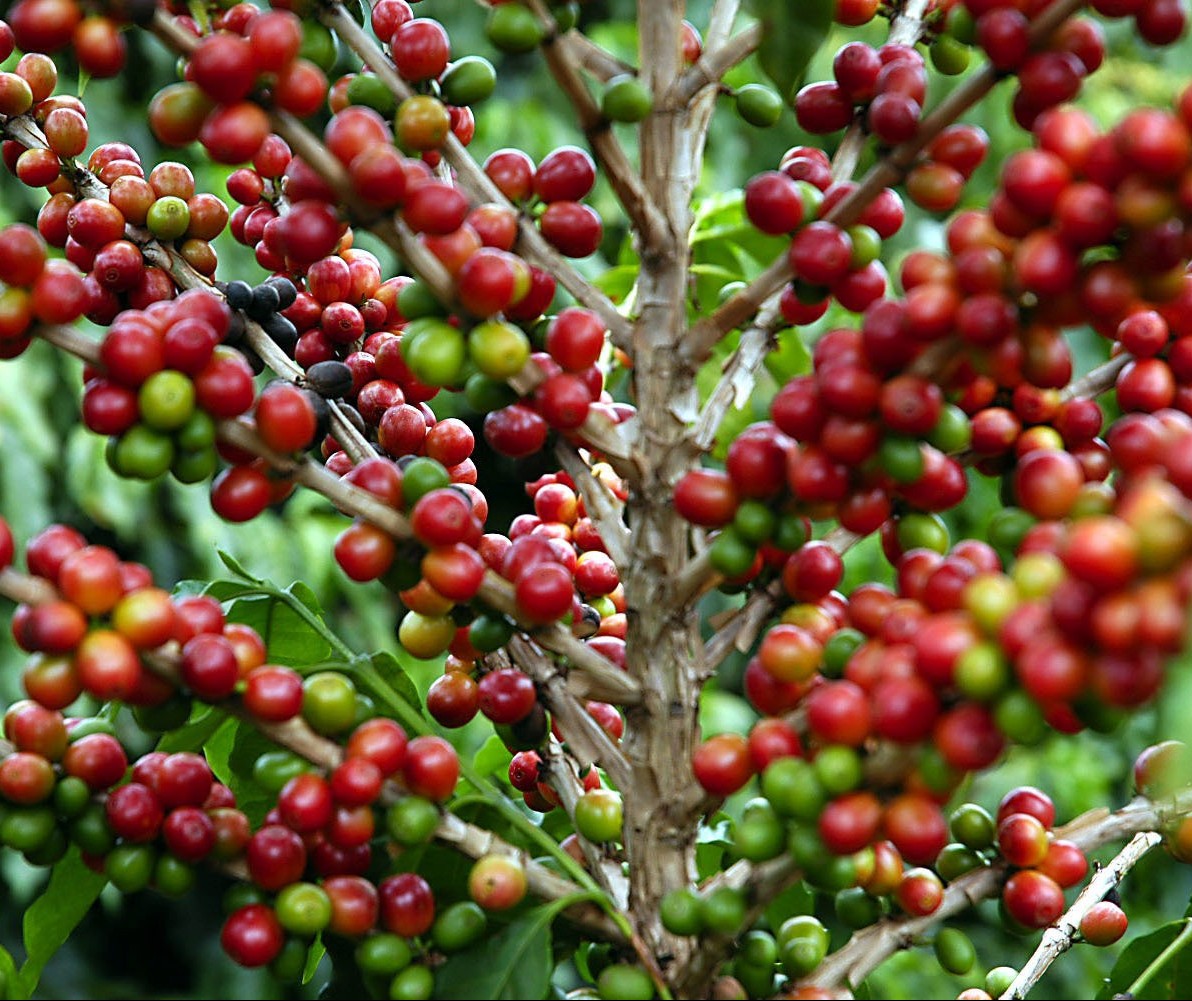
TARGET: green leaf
(248,745)
(383,677)
(234,565)
(796,899)
(617,282)
(290,639)
(9,978)
(195,734)
(514,963)
(711,843)
(790,358)
(493,757)
(218,750)
(1158,965)
(314,956)
(302,592)
(791,35)
(51,918)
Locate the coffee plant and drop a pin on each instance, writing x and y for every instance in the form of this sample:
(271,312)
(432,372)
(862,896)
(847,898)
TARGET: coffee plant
(747,442)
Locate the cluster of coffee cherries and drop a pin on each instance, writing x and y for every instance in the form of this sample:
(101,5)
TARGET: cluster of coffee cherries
(94,37)
(1041,866)
(94,232)
(889,84)
(112,634)
(164,381)
(876,706)
(1053,75)
(829,262)
(34,290)
(548,556)
(421,52)
(936,182)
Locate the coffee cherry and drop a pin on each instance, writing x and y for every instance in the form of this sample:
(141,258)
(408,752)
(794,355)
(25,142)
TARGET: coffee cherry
(497,882)
(252,935)
(1103,924)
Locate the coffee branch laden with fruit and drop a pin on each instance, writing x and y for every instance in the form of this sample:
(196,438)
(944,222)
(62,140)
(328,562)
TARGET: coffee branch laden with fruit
(609,839)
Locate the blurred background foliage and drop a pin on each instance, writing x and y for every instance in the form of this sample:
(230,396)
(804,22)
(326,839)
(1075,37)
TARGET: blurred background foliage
(51,469)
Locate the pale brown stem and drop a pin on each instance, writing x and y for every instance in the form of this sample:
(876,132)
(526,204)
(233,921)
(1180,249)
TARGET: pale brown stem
(701,105)
(622,177)
(559,772)
(848,153)
(1097,381)
(474,181)
(590,744)
(739,628)
(888,170)
(711,66)
(868,948)
(740,371)
(1062,935)
(296,736)
(26,589)
(595,60)
(605,510)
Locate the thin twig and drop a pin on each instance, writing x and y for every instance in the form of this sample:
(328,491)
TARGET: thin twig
(736,382)
(720,23)
(476,183)
(1062,935)
(711,66)
(868,948)
(595,59)
(739,629)
(605,510)
(588,740)
(848,153)
(1097,381)
(737,310)
(622,176)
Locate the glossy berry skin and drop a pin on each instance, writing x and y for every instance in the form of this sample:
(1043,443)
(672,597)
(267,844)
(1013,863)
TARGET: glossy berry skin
(431,768)
(1103,924)
(407,904)
(722,764)
(1033,899)
(497,883)
(252,936)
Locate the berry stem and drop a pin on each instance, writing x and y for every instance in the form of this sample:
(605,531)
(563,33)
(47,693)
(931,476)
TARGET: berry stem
(623,178)
(704,335)
(595,59)
(584,734)
(473,179)
(1062,935)
(296,736)
(1098,380)
(710,68)
(605,510)
(740,370)
(867,949)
